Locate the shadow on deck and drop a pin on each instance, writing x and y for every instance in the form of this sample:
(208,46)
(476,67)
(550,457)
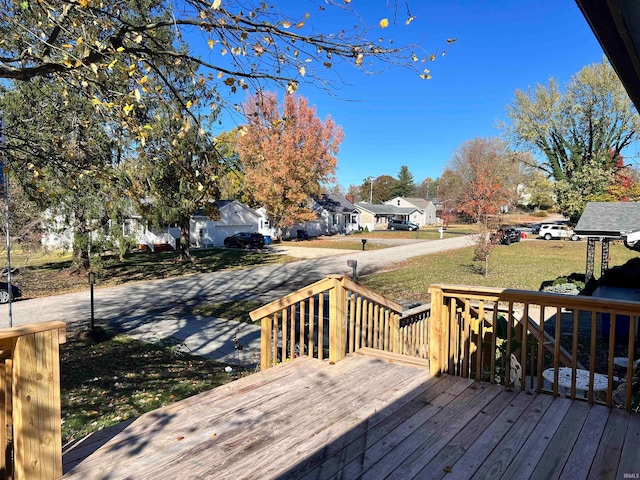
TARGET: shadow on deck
(365,417)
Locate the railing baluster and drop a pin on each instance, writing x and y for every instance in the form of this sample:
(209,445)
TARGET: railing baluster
(479,342)
(540,363)
(630,361)
(556,351)
(312,322)
(524,322)
(612,346)
(494,333)
(283,353)
(352,322)
(302,327)
(292,331)
(274,343)
(592,352)
(574,352)
(321,325)
(507,358)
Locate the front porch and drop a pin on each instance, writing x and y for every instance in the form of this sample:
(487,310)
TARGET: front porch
(366,417)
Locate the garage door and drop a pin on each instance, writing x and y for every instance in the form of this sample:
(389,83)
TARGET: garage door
(221,232)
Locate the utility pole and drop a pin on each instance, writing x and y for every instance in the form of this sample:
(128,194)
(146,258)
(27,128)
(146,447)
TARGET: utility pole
(370,189)
(4,188)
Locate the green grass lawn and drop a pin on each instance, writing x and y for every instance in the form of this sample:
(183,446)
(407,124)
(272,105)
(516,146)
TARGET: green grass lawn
(108,382)
(49,275)
(524,265)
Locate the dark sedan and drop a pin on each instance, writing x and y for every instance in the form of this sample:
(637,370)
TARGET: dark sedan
(245,240)
(506,236)
(4,292)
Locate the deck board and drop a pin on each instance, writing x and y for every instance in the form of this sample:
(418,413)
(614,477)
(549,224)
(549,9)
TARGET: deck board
(368,418)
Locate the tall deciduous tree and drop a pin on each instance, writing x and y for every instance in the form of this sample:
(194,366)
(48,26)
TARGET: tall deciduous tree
(575,128)
(485,169)
(405,186)
(286,155)
(233,44)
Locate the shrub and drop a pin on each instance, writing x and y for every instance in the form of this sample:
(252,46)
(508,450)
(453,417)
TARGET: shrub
(563,288)
(539,213)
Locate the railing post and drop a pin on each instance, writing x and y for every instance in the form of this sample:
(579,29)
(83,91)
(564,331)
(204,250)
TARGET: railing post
(435,332)
(266,328)
(337,317)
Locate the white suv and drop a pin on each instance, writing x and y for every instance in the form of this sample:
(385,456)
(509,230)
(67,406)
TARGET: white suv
(552,230)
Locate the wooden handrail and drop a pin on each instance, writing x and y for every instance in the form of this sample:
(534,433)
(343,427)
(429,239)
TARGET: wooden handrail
(463,337)
(355,317)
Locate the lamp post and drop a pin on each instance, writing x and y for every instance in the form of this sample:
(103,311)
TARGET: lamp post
(92,281)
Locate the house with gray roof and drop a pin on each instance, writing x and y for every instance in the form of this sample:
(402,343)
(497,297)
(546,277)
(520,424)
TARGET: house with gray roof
(427,208)
(606,221)
(376,216)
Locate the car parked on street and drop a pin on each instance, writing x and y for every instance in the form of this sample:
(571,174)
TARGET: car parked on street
(245,240)
(506,236)
(550,231)
(402,225)
(4,292)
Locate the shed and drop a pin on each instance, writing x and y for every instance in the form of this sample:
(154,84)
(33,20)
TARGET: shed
(606,221)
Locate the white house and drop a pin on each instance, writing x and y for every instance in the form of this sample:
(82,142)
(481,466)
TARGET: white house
(376,216)
(428,213)
(234,217)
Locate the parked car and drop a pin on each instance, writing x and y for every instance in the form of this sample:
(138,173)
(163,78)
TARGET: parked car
(4,292)
(506,236)
(245,240)
(550,231)
(535,228)
(402,225)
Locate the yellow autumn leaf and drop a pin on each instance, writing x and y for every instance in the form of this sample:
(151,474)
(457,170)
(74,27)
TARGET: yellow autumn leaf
(136,93)
(286,24)
(302,71)
(189,103)
(384,23)
(83,3)
(409,20)
(300,25)
(216,4)
(143,80)
(210,43)
(220,74)
(292,87)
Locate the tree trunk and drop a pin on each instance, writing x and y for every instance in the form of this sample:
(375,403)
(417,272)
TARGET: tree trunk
(185,243)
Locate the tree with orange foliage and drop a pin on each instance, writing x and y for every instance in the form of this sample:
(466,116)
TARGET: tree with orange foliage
(487,174)
(286,156)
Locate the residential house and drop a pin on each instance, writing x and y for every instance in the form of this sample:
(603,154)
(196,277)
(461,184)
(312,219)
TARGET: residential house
(335,214)
(375,216)
(428,211)
(234,217)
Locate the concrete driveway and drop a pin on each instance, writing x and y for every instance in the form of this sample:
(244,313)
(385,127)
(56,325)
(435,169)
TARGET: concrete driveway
(161,308)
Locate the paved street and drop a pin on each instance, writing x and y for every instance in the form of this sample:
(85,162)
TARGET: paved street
(158,308)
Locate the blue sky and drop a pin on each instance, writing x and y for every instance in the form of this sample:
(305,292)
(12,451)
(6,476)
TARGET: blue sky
(396,119)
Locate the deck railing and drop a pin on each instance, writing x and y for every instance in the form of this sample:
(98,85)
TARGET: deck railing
(513,336)
(30,435)
(336,316)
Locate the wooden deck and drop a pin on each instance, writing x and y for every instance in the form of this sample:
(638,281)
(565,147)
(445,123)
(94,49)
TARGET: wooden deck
(369,418)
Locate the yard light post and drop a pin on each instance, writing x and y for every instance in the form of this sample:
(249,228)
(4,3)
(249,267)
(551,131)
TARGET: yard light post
(92,281)
(364,242)
(354,265)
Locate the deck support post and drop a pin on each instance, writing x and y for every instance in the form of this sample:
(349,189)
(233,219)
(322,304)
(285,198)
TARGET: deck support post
(337,322)
(435,332)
